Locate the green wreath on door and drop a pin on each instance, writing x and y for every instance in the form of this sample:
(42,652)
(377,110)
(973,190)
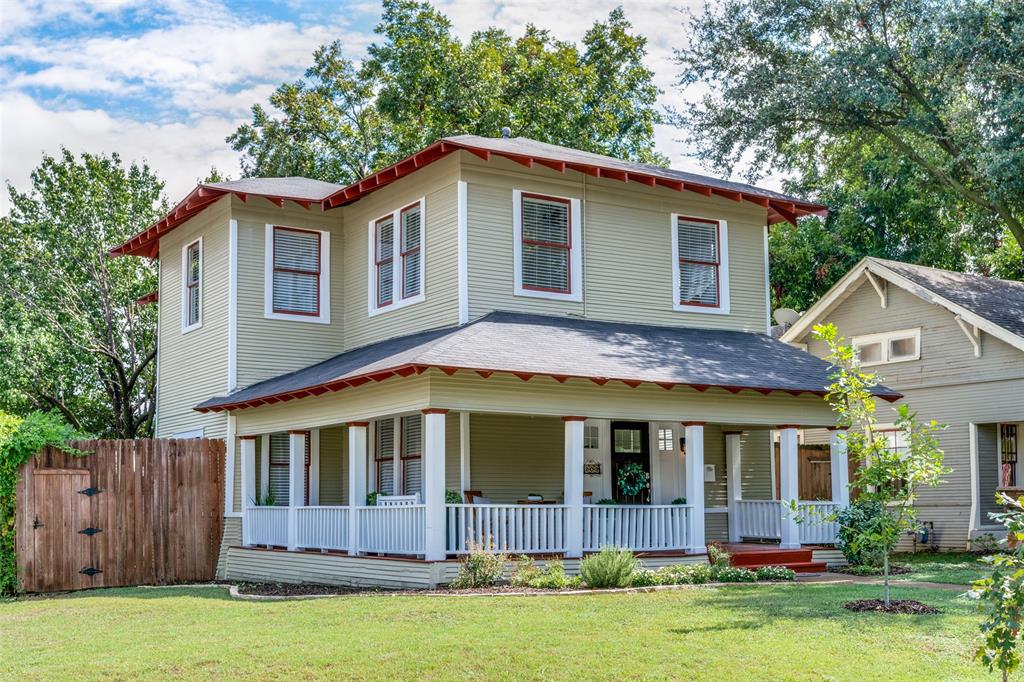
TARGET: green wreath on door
(633,480)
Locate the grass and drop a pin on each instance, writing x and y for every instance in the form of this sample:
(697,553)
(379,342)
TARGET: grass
(793,632)
(958,568)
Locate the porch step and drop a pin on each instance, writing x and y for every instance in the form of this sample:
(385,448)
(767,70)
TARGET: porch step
(799,560)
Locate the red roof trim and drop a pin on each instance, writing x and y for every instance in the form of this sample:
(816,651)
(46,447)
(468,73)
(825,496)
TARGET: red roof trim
(151,297)
(407,370)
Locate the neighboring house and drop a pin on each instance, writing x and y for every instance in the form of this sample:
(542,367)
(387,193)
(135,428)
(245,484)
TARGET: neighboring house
(953,345)
(501,318)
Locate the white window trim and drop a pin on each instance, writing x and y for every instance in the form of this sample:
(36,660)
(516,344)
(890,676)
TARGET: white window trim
(723,268)
(397,302)
(325,278)
(575,252)
(883,339)
(185,326)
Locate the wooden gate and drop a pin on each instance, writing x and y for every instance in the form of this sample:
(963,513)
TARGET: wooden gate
(135,512)
(814,472)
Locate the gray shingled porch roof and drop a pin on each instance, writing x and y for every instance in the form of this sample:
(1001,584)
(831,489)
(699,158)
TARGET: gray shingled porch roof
(562,348)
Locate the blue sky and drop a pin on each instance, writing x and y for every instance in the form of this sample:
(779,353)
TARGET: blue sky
(167,80)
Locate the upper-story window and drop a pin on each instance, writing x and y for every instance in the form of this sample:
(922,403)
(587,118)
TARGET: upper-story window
(297,276)
(396,259)
(700,264)
(888,347)
(192,286)
(548,256)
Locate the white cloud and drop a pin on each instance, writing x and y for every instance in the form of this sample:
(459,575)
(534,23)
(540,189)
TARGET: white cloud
(180,152)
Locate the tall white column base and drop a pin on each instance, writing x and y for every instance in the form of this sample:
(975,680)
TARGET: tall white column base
(433,482)
(789,490)
(573,486)
(695,486)
(356,480)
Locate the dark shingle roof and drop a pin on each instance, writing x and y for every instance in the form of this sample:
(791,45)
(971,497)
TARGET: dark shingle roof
(564,347)
(292,187)
(999,301)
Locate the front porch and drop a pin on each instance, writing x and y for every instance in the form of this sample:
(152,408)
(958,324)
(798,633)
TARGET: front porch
(707,482)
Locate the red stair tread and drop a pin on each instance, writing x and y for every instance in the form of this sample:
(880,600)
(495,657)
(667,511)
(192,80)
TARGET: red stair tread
(780,557)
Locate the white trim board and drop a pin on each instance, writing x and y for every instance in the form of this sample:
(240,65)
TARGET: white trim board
(397,301)
(232,305)
(325,278)
(723,268)
(463,251)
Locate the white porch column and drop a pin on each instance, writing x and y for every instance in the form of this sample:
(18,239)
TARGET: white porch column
(788,486)
(572,488)
(314,467)
(840,467)
(465,477)
(264,465)
(356,480)
(433,482)
(733,481)
(296,483)
(247,444)
(695,485)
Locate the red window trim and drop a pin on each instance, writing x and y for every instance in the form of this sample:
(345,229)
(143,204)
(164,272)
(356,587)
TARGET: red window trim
(308,273)
(189,286)
(378,261)
(403,254)
(308,459)
(717,262)
(567,246)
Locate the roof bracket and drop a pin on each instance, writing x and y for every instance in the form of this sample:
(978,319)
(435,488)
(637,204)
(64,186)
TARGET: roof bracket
(972,332)
(881,287)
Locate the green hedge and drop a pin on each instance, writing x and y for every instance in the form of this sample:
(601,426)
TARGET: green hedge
(20,439)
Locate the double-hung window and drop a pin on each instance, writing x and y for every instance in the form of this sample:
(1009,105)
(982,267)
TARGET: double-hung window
(548,256)
(278,485)
(384,457)
(192,289)
(700,264)
(396,259)
(412,455)
(297,274)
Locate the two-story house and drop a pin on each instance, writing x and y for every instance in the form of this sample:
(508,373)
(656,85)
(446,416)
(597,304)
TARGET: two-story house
(953,345)
(492,335)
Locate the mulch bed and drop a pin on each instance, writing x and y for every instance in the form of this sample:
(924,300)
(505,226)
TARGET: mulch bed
(850,570)
(909,606)
(296,590)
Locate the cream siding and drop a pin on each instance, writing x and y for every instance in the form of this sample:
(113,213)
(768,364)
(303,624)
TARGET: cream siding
(193,365)
(436,183)
(269,347)
(231,537)
(515,455)
(333,465)
(452,462)
(756,465)
(627,247)
(948,384)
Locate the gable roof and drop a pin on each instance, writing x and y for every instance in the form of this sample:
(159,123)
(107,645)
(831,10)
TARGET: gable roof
(995,306)
(519,149)
(302,191)
(572,348)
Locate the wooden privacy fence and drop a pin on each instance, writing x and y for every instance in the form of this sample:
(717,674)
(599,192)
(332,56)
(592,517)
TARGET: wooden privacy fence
(135,512)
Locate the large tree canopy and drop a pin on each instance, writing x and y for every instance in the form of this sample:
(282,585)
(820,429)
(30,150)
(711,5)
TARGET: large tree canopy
(940,83)
(420,83)
(71,334)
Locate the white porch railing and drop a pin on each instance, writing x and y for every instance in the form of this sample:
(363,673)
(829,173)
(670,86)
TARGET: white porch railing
(763,519)
(392,530)
(636,527)
(322,527)
(265,526)
(514,528)
(814,528)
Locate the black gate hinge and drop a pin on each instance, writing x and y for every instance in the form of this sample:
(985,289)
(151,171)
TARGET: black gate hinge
(90,531)
(90,571)
(90,491)
(37,523)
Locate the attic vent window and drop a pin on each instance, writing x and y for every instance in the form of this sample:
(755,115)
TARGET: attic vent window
(888,347)
(297,274)
(396,259)
(548,261)
(700,265)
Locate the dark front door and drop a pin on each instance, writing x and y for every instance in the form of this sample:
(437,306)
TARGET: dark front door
(630,444)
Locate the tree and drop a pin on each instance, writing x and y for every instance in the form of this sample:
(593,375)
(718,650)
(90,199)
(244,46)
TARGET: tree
(72,336)
(938,82)
(886,476)
(1001,596)
(881,204)
(420,83)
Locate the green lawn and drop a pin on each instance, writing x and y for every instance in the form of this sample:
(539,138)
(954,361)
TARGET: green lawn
(742,632)
(960,568)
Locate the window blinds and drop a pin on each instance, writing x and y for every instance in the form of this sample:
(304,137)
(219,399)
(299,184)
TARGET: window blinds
(546,243)
(412,455)
(411,260)
(296,271)
(386,456)
(698,261)
(383,259)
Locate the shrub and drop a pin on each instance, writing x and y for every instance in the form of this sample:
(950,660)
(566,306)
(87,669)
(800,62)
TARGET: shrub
(611,567)
(479,568)
(452,497)
(732,574)
(606,500)
(775,573)
(371,498)
(645,577)
(526,571)
(853,522)
(696,574)
(718,556)
(679,500)
(552,577)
